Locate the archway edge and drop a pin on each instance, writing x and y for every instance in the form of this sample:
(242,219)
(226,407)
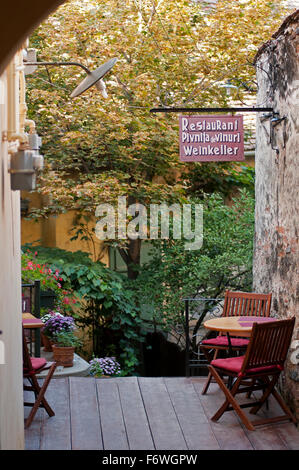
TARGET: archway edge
(18,20)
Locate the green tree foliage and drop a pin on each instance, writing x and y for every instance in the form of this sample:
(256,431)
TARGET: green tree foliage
(173,52)
(223,262)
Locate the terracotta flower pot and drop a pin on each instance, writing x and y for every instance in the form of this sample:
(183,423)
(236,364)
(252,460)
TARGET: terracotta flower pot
(63,356)
(47,343)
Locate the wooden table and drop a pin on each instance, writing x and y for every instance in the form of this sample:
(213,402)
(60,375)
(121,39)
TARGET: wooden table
(31,322)
(236,326)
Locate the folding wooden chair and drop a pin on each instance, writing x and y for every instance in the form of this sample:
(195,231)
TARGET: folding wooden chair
(31,367)
(258,369)
(235,304)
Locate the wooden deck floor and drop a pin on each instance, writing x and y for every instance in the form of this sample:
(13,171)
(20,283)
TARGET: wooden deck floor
(147,414)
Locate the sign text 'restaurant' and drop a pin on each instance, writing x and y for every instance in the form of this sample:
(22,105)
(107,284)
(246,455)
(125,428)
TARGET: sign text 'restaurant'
(211,138)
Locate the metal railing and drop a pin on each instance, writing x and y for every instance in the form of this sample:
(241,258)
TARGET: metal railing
(34,292)
(196,309)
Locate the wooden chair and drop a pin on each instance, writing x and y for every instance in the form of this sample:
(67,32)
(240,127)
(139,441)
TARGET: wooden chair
(31,367)
(235,304)
(258,369)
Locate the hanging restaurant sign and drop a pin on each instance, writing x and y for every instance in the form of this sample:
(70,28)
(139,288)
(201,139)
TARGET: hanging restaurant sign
(211,138)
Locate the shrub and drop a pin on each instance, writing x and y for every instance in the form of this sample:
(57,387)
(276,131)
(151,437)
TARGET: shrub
(35,268)
(107,304)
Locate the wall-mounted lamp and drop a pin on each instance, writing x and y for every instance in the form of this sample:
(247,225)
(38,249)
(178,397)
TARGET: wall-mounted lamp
(275,119)
(229,87)
(94,77)
(25,163)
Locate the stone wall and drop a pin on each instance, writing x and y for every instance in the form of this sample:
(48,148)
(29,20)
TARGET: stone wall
(276,256)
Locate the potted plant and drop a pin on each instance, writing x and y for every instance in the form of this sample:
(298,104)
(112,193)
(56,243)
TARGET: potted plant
(64,346)
(58,323)
(104,367)
(55,324)
(46,340)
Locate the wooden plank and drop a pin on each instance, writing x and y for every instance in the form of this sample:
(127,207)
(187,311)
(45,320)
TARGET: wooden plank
(264,437)
(85,421)
(287,430)
(33,433)
(289,434)
(228,430)
(112,421)
(136,422)
(286,433)
(190,413)
(56,431)
(173,417)
(165,428)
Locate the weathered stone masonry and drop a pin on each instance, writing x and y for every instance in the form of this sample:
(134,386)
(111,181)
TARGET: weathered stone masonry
(276,256)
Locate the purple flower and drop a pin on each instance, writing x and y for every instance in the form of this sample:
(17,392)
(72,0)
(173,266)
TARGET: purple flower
(57,324)
(104,366)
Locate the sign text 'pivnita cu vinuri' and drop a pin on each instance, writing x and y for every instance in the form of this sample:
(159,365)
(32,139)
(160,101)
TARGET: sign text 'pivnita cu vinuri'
(211,138)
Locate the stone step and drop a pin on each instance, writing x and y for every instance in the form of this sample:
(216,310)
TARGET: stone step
(80,367)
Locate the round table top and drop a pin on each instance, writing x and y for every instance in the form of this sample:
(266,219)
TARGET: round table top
(240,326)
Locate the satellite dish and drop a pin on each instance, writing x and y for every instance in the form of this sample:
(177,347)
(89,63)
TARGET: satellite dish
(93,77)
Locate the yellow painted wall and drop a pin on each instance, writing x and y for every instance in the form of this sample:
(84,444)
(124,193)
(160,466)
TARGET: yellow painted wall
(56,231)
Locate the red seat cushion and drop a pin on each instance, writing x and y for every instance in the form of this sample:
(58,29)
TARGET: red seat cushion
(222,341)
(234,364)
(38,362)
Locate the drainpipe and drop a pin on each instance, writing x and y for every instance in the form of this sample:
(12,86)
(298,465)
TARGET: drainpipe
(16,98)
